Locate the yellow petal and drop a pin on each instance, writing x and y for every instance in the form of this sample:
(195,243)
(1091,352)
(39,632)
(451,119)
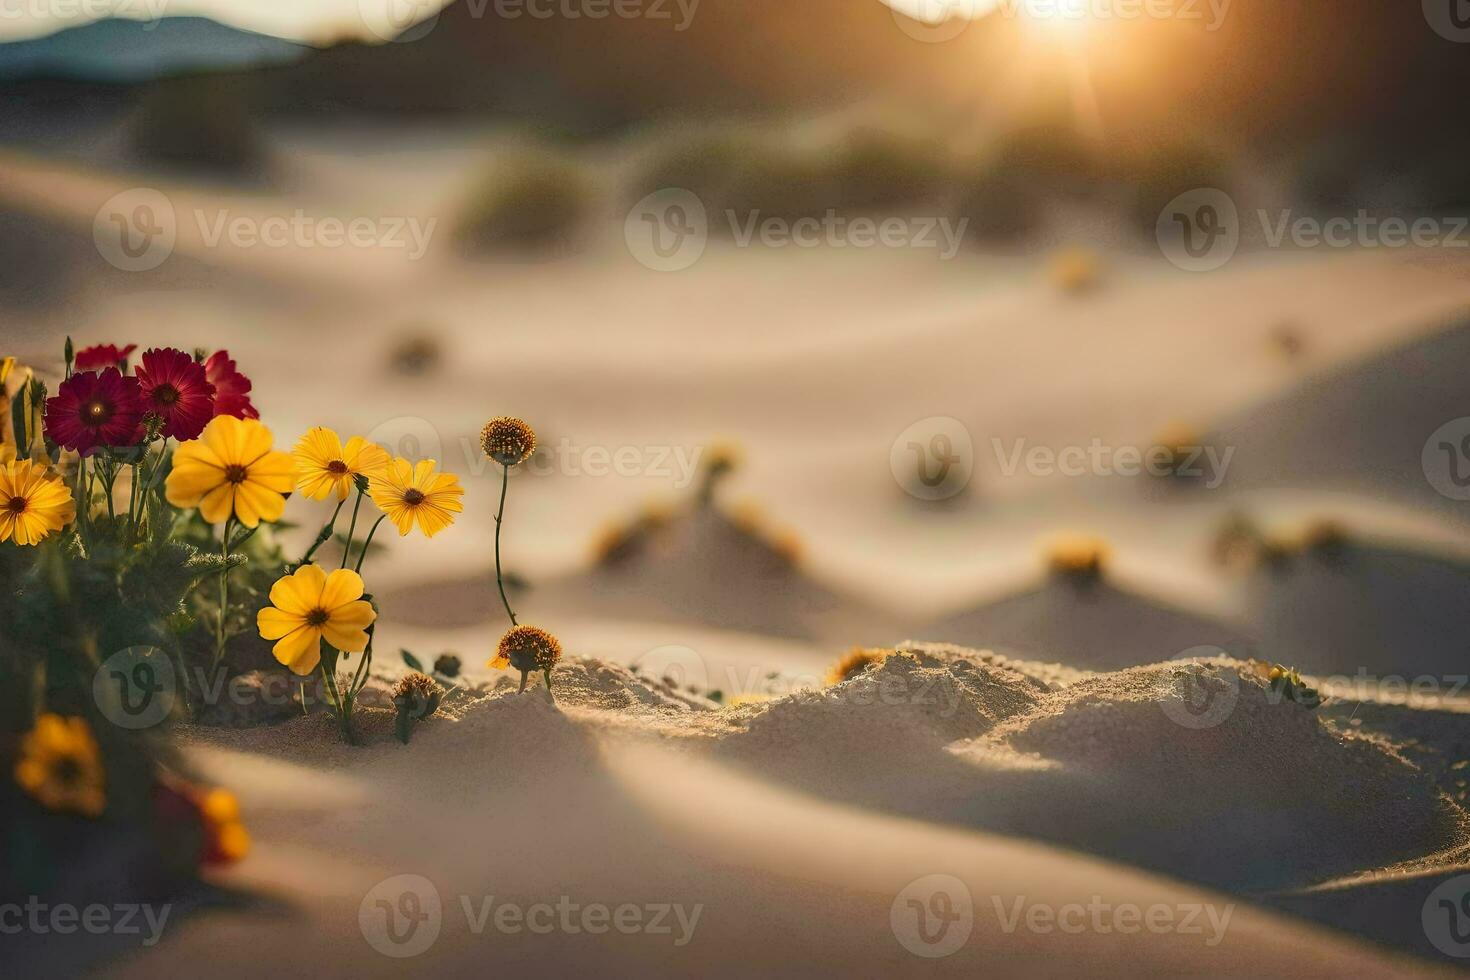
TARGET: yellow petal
(300,650)
(274,623)
(358,615)
(346,640)
(274,470)
(188,484)
(219,503)
(255,503)
(341,587)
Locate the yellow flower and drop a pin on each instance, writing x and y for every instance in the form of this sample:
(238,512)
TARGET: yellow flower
(34,502)
(324,466)
(60,766)
(310,605)
(230,469)
(407,492)
(227,840)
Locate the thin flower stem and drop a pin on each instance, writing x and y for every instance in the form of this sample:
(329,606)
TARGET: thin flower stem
(224,593)
(499,578)
(363,554)
(351,530)
(325,535)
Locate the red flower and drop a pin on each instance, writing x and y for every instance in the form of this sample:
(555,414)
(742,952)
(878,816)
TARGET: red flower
(91,410)
(175,388)
(231,388)
(103,356)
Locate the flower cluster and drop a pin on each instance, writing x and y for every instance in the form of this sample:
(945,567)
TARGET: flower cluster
(172,393)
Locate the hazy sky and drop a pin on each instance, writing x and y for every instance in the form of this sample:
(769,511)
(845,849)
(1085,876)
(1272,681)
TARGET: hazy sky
(310,20)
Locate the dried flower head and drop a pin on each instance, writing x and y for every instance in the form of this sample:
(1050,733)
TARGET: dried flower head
(527,648)
(419,687)
(854,662)
(447,665)
(1078,558)
(415,698)
(507,440)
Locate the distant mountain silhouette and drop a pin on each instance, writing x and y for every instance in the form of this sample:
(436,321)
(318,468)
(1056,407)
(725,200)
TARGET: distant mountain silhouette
(126,51)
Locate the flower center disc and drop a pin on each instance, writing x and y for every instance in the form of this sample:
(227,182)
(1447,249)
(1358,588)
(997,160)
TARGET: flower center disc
(317,617)
(235,474)
(16,505)
(337,466)
(165,394)
(413,498)
(97,412)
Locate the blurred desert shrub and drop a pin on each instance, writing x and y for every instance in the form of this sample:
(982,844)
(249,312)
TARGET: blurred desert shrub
(1150,174)
(531,198)
(1005,187)
(800,170)
(1008,186)
(201,122)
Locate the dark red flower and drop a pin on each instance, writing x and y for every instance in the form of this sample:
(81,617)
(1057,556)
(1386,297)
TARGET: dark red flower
(103,356)
(175,388)
(91,410)
(231,388)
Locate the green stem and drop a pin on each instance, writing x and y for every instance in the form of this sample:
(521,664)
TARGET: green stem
(224,593)
(351,530)
(344,711)
(363,554)
(324,536)
(499,578)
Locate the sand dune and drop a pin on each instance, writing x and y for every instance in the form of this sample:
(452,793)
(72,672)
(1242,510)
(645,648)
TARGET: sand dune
(528,802)
(1085,626)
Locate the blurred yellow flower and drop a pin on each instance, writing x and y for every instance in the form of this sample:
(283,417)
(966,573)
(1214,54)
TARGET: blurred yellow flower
(310,605)
(324,466)
(231,470)
(60,766)
(34,502)
(407,492)
(227,839)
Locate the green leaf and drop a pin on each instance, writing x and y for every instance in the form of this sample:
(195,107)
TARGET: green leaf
(412,661)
